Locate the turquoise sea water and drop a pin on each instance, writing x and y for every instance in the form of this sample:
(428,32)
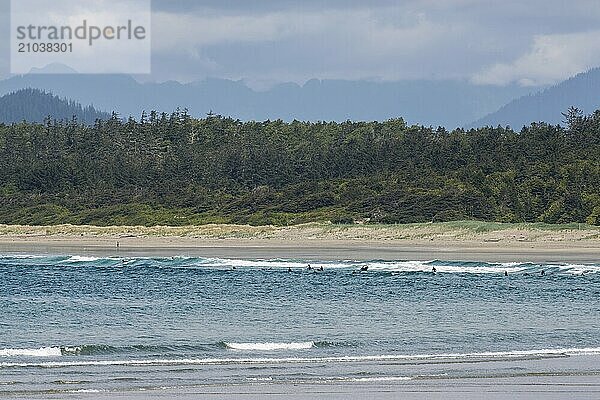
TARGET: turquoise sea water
(73,324)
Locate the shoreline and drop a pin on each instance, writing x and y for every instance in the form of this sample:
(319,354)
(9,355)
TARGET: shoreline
(550,379)
(573,376)
(464,241)
(582,387)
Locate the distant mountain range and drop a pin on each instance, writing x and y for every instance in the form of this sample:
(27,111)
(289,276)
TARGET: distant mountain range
(446,103)
(35,105)
(581,91)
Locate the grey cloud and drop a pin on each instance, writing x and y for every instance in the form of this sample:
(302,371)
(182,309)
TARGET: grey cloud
(261,6)
(281,40)
(356,39)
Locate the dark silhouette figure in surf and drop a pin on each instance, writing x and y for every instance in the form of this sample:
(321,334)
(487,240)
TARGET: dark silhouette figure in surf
(505,273)
(364,268)
(321,268)
(289,269)
(309,267)
(433,270)
(543,272)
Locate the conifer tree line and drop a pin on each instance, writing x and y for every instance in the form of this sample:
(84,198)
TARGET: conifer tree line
(36,105)
(177,170)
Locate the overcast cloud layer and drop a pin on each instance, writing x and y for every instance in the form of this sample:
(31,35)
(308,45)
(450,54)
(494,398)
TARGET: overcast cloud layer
(534,42)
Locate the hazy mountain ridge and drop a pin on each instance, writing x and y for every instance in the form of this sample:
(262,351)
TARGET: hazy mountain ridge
(446,103)
(35,105)
(581,90)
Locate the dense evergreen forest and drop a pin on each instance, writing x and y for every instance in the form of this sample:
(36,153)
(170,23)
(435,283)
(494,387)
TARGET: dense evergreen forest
(34,105)
(176,170)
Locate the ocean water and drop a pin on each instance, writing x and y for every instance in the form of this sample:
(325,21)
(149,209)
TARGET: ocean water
(74,324)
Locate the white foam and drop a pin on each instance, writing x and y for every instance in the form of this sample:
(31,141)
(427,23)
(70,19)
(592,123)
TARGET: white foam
(401,357)
(270,346)
(426,266)
(387,266)
(82,259)
(270,263)
(382,266)
(40,352)
(381,379)
(511,264)
(21,256)
(579,269)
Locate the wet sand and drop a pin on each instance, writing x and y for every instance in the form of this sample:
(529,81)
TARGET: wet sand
(556,378)
(583,387)
(327,249)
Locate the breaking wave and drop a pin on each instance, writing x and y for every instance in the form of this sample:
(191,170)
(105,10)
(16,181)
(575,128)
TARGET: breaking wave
(443,267)
(441,358)
(270,346)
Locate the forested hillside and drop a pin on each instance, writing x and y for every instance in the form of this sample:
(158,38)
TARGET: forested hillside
(174,169)
(35,105)
(581,90)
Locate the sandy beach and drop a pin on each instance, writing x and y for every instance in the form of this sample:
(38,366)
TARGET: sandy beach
(546,379)
(446,241)
(575,388)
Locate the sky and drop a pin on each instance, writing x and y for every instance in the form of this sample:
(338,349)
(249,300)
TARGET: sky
(263,42)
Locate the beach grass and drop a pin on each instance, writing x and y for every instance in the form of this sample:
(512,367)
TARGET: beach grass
(456,230)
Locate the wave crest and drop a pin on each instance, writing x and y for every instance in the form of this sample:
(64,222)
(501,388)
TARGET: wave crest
(219,264)
(269,346)
(39,352)
(449,357)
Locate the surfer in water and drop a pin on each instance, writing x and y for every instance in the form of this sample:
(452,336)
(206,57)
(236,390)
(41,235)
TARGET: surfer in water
(289,269)
(543,272)
(364,268)
(433,270)
(505,273)
(309,268)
